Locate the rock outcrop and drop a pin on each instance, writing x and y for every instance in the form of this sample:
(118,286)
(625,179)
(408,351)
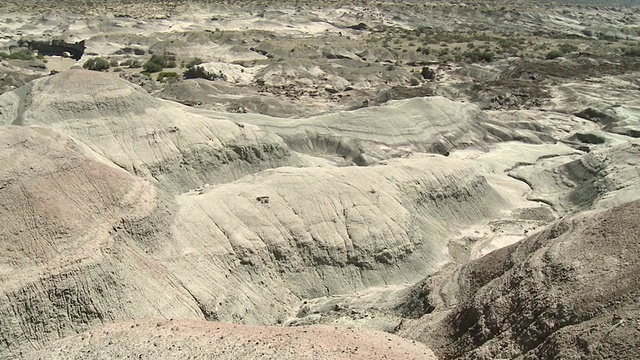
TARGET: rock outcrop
(570,291)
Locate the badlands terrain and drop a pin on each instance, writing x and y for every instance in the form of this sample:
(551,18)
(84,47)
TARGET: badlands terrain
(319,179)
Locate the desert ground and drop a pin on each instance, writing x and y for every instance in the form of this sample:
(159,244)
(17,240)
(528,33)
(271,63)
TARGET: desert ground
(319,180)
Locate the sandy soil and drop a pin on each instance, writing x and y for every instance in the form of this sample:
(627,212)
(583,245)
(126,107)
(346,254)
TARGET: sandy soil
(168,339)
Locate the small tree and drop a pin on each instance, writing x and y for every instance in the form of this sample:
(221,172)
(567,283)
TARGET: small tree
(152,67)
(159,62)
(159,59)
(96,64)
(198,72)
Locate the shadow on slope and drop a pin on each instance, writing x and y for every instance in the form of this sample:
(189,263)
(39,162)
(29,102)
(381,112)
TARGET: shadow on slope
(570,291)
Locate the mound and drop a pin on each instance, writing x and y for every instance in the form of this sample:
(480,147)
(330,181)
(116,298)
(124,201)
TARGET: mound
(602,178)
(86,243)
(246,251)
(14,77)
(570,291)
(291,233)
(611,103)
(146,136)
(62,271)
(337,73)
(624,120)
(205,340)
(432,124)
(222,96)
(51,188)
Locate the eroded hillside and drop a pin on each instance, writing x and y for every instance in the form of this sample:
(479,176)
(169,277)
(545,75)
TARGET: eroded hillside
(389,180)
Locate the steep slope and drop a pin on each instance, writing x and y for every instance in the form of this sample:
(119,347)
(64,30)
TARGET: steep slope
(62,271)
(146,136)
(570,291)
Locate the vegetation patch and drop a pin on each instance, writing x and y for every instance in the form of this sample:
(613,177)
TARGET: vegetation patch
(198,72)
(97,64)
(22,54)
(131,64)
(167,75)
(159,62)
(479,56)
(554,54)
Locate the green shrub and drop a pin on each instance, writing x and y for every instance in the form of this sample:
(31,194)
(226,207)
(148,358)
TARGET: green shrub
(129,50)
(113,62)
(554,54)
(96,64)
(132,64)
(167,75)
(152,67)
(478,56)
(198,72)
(22,54)
(159,60)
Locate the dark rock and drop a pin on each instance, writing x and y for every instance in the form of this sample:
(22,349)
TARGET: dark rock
(427,73)
(56,48)
(361,26)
